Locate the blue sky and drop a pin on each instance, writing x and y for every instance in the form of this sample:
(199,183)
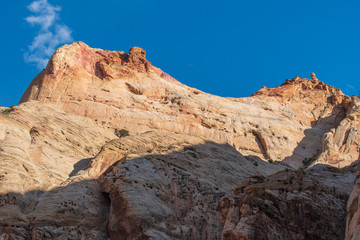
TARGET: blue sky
(227,48)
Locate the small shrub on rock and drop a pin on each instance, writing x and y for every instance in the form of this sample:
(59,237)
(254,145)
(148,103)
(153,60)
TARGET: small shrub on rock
(121,133)
(306,162)
(9,110)
(189,148)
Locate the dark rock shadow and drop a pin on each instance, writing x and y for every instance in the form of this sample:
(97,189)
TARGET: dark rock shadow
(179,188)
(311,146)
(80,165)
(80,210)
(75,211)
(150,196)
(291,204)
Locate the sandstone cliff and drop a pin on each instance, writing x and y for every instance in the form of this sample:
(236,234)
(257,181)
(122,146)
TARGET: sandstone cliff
(41,148)
(122,90)
(49,191)
(290,204)
(195,166)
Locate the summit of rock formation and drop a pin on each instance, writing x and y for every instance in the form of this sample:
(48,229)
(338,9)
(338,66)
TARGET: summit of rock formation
(279,164)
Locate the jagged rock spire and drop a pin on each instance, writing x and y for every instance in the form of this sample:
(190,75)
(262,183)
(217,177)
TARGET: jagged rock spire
(313,76)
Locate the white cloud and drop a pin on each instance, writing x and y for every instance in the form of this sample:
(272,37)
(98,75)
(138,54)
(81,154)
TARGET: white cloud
(51,33)
(350,86)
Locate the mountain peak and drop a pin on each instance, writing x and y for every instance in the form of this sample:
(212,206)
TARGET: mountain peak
(300,88)
(89,65)
(78,56)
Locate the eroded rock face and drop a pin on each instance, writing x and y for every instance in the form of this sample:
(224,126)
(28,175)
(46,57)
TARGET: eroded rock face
(352,211)
(289,205)
(172,192)
(77,210)
(65,175)
(41,150)
(123,90)
(49,171)
(150,178)
(40,144)
(341,144)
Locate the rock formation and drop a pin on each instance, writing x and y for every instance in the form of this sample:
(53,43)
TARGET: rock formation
(195,166)
(290,204)
(49,191)
(172,193)
(41,150)
(341,145)
(122,90)
(353,211)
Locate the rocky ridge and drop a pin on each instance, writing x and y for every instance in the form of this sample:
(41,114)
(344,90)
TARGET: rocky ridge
(121,90)
(65,175)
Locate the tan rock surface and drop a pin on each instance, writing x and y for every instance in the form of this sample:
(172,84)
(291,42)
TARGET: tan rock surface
(46,195)
(158,175)
(123,90)
(341,145)
(353,211)
(289,205)
(39,135)
(40,148)
(171,193)
(65,175)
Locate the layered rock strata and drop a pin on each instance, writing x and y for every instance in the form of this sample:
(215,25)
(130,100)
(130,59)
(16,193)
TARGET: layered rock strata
(65,175)
(172,192)
(49,188)
(41,150)
(341,145)
(121,90)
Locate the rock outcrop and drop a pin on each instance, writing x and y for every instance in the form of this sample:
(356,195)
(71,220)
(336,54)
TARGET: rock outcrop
(290,204)
(172,192)
(353,211)
(41,150)
(341,145)
(64,174)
